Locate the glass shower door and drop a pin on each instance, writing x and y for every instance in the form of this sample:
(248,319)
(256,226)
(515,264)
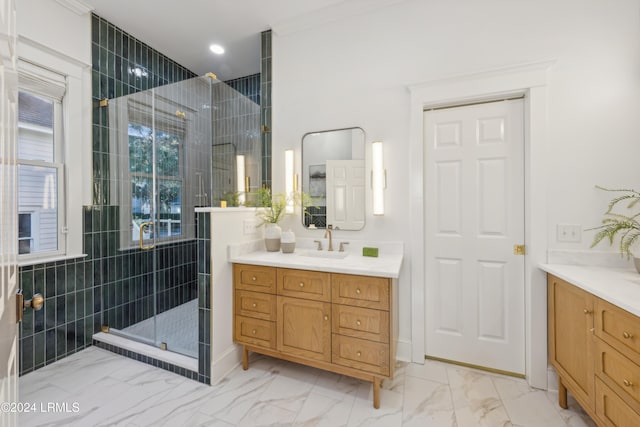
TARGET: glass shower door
(149,161)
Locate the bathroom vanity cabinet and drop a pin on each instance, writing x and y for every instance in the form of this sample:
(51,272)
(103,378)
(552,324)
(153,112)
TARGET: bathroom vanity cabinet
(343,323)
(594,347)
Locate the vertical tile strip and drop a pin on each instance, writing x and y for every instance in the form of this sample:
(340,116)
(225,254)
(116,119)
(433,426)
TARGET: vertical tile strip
(265,106)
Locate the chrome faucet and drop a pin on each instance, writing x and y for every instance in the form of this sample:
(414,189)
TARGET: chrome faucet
(328,233)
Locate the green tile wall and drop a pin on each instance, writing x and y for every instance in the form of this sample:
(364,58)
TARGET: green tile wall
(249,86)
(121,65)
(203,221)
(65,324)
(265,106)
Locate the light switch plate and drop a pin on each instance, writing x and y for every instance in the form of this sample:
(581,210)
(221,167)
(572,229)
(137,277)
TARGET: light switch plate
(250,226)
(569,233)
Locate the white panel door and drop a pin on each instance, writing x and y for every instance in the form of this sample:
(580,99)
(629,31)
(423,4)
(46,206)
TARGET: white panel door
(474,215)
(8,213)
(345,194)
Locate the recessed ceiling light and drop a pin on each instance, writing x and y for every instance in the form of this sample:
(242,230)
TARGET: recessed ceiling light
(217,49)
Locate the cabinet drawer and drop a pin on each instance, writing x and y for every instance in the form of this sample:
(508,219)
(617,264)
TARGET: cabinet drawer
(612,410)
(254,278)
(313,285)
(359,322)
(618,372)
(361,291)
(618,328)
(360,354)
(255,331)
(256,305)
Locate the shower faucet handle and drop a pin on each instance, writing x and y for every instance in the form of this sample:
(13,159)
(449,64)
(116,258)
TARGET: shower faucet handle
(319,242)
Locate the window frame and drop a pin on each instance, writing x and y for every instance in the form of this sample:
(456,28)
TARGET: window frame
(46,84)
(163,118)
(181,177)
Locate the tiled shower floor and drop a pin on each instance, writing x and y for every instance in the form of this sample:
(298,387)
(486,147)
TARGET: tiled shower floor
(113,390)
(177,327)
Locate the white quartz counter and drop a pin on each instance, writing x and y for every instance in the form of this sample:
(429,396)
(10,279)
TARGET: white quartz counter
(619,286)
(385,265)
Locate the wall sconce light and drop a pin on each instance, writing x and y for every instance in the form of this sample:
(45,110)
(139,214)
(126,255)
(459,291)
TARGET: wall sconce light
(290,180)
(241,179)
(378,177)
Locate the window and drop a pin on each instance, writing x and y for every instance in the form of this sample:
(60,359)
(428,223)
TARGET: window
(159,166)
(168,169)
(25,236)
(40,168)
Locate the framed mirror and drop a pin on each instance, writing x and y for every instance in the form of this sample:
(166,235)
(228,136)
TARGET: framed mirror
(333,173)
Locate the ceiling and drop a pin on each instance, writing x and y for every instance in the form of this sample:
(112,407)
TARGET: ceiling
(184,30)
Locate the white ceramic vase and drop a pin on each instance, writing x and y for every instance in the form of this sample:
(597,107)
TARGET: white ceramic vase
(288,242)
(272,235)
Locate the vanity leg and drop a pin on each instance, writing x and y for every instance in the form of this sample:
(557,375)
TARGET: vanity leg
(376,392)
(562,394)
(245,358)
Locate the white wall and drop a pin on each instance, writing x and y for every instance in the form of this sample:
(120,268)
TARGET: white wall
(227,228)
(56,27)
(355,72)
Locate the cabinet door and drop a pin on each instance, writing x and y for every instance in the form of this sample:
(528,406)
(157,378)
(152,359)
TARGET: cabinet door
(304,328)
(571,343)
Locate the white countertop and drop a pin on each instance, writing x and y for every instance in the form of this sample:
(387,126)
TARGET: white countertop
(619,286)
(385,265)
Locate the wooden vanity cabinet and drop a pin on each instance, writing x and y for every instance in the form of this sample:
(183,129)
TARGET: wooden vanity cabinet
(595,348)
(571,345)
(341,323)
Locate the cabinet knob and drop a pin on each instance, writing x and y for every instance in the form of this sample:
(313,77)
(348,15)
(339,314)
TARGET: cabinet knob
(358,291)
(254,278)
(302,284)
(627,383)
(253,331)
(358,322)
(627,335)
(254,305)
(586,311)
(326,317)
(358,354)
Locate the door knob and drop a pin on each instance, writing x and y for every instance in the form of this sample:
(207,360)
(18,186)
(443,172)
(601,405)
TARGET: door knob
(36,303)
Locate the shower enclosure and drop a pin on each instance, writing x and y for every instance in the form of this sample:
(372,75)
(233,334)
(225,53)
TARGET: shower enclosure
(172,148)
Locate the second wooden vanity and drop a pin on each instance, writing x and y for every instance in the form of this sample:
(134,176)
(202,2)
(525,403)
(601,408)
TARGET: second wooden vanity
(343,323)
(594,346)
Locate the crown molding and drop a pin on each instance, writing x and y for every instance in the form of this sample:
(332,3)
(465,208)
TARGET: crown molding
(79,7)
(328,14)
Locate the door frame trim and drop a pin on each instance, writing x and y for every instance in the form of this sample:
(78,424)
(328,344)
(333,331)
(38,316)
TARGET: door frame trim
(530,80)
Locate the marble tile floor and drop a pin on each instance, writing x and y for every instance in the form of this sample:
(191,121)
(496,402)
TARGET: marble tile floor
(97,388)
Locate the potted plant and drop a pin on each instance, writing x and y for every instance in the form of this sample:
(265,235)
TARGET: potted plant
(272,210)
(626,226)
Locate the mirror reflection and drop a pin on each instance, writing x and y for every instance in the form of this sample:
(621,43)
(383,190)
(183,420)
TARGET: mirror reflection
(333,173)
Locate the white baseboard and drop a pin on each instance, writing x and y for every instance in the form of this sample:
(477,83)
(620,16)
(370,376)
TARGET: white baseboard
(403,351)
(226,363)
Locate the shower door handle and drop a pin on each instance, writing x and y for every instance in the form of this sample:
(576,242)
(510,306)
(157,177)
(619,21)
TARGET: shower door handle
(142,227)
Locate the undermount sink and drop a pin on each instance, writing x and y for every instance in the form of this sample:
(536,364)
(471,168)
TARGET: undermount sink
(323,254)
